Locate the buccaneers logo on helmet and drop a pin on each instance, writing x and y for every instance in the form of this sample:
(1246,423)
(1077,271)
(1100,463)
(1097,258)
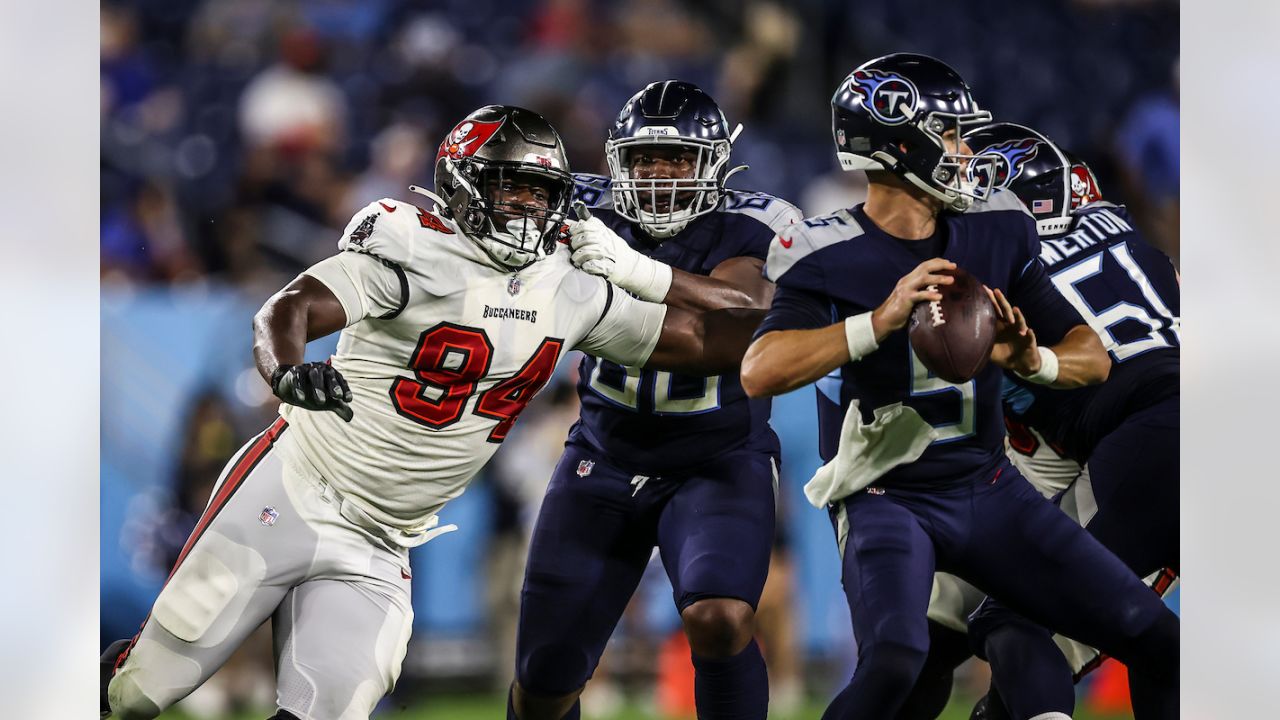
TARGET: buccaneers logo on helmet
(467,138)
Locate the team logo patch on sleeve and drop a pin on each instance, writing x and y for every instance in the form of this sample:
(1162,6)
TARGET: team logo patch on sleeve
(585,467)
(363,230)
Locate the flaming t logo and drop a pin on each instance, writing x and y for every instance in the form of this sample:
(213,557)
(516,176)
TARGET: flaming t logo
(1007,159)
(890,98)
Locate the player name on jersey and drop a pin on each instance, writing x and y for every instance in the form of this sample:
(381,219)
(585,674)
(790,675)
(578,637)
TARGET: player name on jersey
(1091,229)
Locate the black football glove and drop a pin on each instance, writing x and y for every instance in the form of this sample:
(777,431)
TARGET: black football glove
(314,386)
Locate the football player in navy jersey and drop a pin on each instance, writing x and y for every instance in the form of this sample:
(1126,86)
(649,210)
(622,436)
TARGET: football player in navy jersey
(916,476)
(1125,431)
(688,464)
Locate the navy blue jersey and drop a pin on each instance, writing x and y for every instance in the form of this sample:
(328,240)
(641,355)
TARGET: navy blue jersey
(652,422)
(1128,293)
(835,266)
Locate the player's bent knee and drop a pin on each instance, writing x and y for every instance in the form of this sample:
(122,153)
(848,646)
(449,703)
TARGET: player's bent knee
(1155,649)
(892,664)
(529,705)
(128,700)
(553,670)
(718,627)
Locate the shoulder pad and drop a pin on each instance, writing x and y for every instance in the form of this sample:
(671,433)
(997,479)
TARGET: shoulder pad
(768,209)
(390,230)
(797,241)
(1001,199)
(593,190)
(1101,205)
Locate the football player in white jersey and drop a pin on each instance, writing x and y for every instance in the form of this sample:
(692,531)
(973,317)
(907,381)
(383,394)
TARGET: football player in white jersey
(451,322)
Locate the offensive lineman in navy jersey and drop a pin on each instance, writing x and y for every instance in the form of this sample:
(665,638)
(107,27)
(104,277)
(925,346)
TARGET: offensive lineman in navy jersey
(1125,431)
(917,479)
(685,463)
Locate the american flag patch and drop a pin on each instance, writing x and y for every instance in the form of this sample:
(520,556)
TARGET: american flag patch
(1039,206)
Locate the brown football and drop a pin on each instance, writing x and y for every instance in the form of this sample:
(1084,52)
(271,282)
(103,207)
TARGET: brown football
(953,336)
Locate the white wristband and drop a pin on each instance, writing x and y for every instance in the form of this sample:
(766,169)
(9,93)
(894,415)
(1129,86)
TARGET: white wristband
(860,335)
(648,280)
(1048,372)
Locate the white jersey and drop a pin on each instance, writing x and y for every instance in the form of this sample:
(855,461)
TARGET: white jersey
(1043,467)
(442,350)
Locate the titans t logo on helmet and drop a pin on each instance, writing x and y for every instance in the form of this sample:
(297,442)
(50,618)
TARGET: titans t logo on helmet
(885,95)
(1010,157)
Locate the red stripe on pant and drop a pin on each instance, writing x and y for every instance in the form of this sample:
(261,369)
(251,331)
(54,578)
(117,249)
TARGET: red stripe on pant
(245,465)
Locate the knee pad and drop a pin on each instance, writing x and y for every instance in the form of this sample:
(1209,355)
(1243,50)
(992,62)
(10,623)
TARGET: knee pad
(209,590)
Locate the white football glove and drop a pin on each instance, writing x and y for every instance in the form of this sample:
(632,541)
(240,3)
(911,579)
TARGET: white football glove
(598,250)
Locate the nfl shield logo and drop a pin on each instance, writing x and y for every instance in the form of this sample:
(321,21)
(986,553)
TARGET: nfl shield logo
(585,467)
(268,516)
(513,286)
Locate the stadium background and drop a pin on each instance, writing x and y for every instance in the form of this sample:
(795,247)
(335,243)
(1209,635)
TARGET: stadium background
(239,135)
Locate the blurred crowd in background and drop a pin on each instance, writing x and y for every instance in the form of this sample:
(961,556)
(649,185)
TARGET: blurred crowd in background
(238,137)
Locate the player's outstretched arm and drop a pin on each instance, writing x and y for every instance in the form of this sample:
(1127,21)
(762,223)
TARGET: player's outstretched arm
(735,283)
(1079,359)
(704,343)
(302,311)
(783,360)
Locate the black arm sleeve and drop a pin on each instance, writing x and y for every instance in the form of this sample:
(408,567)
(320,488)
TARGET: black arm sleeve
(797,310)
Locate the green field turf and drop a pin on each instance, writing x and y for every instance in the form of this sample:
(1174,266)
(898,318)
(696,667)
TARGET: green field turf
(487,708)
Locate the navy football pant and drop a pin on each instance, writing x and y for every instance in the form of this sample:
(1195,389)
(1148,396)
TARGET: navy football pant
(1000,535)
(1129,502)
(594,536)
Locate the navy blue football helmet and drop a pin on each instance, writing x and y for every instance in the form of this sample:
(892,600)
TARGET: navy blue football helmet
(1050,181)
(670,113)
(891,114)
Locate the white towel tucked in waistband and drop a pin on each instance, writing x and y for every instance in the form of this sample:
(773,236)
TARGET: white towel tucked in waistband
(896,435)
